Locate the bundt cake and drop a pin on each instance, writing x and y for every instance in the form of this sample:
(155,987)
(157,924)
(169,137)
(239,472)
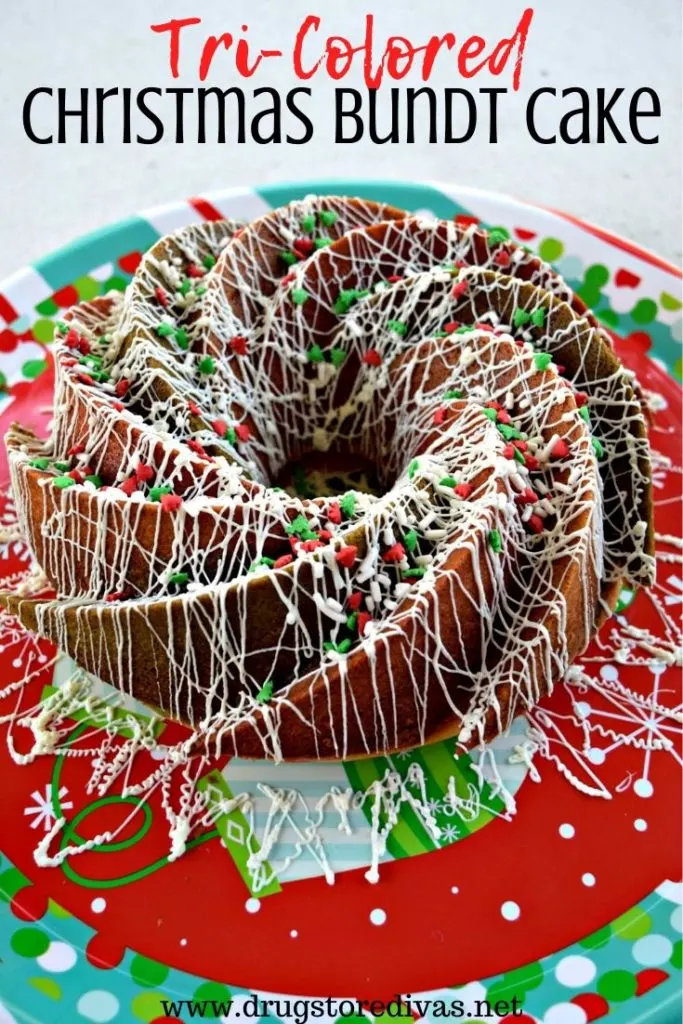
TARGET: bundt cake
(508,443)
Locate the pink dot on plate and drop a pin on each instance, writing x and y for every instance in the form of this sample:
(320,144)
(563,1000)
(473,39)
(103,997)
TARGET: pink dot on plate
(640,825)
(566,830)
(643,787)
(378,916)
(588,879)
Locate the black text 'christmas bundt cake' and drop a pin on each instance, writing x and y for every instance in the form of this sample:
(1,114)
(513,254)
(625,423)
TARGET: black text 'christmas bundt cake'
(485,465)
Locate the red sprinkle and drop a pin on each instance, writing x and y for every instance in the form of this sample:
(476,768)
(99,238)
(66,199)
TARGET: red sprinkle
(194,408)
(334,513)
(76,475)
(194,271)
(492,404)
(502,258)
(451,326)
(129,485)
(346,556)
(119,406)
(197,448)
(521,446)
(526,497)
(288,278)
(242,431)
(396,553)
(76,449)
(171,502)
(238,345)
(535,524)
(509,451)
(282,561)
(84,378)
(393,278)
(459,289)
(122,387)
(324,535)
(484,327)
(463,490)
(118,595)
(143,473)
(69,361)
(560,449)
(580,399)
(309,545)
(362,621)
(372,357)
(504,416)
(72,338)
(438,417)
(304,247)
(219,427)
(84,347)
(355,600)
(531,463)
(162,297)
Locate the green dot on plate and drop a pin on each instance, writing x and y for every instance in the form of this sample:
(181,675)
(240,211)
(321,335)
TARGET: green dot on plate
(609,317)
(33,368)
(29,942)
(47,986)
(644,311)
(617,986)
(115,284)
(670,302)
(501,990)
(148,1005)
(597,939)
(212,991)
(48,307)
(550,249)
(597,275)
(43,331)
(590,295)
(11,881)
(678,369)
(676,954)
(56,910)
(634,924)
(148,972)
(87,288)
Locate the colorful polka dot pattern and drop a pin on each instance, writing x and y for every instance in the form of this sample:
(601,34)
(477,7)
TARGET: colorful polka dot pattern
(65,964)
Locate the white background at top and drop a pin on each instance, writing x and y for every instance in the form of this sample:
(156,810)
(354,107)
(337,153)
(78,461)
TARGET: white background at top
(50,194)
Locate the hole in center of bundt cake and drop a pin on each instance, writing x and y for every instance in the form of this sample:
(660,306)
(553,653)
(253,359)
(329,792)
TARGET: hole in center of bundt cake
(316,474)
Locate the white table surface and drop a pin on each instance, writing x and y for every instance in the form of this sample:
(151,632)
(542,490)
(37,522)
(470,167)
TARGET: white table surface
(50,194)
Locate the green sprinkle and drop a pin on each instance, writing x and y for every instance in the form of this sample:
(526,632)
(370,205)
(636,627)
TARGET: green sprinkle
(185,286)
(269,562)
(62,327)
(63,481)
(40,463)
(519,456)
(337,355)
(230,435)
(542,360)
(413,468)
(179,578)
(345,300)
(181,338)
(308,222)
(465,329)
(344,647)
(62,466)
(398,327)
(410,540)
(328,218)
(347,503)
(598,448)
(491,414)
(164,330)
(414,573)
(299,296)
(94,479)
(448,481)
(157,493)
(315,354)
(201,289)
(452,394)
(265,693)
(289,258)
(209,261)
(584,413)
(298,526)
(351,621)
(495,541)
(520,317)
(538,317)
(508,431)
(321,243)
(91,360)
(497,235)
(206,365)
